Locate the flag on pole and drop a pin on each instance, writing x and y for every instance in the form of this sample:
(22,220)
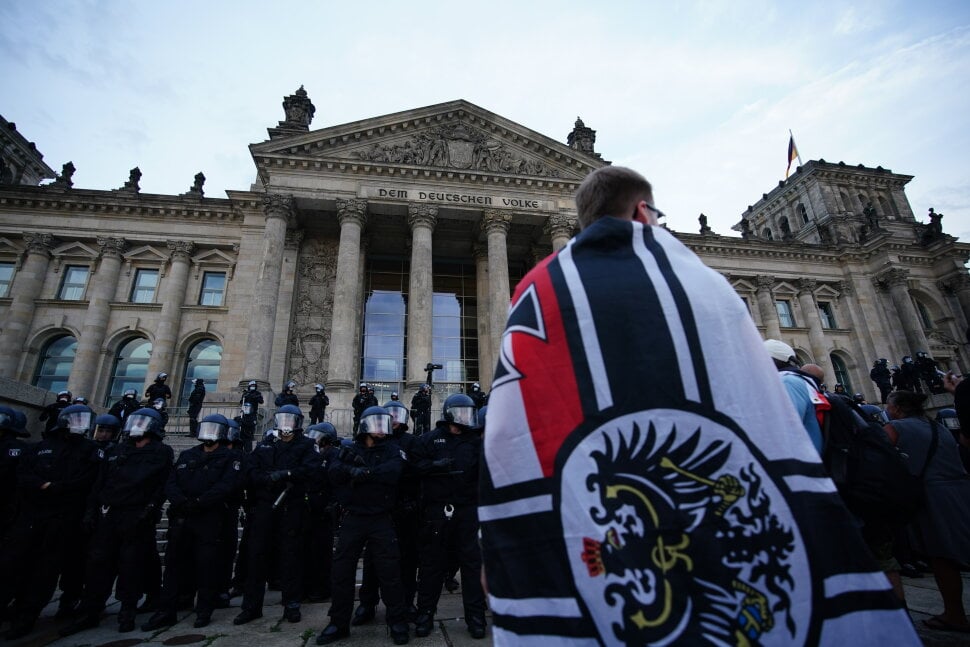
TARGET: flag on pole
(792,153)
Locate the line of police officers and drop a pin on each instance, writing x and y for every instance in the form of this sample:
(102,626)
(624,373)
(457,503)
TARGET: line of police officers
(90,507)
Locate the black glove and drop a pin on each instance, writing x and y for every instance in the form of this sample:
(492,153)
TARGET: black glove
(279,475)
(345,455)
(443,463)
(359,460)
(358,473)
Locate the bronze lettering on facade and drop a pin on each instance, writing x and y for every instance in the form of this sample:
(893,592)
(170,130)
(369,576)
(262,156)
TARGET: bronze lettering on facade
(457,198)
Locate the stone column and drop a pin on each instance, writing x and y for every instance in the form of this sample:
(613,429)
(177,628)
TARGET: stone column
(278,213)
(959,286)
(863,344)
(896,280)
(352,216)
(560,228)
(26,288)
(100,294)
(496,225)
(486,359)
(816,338)
(422,219)
(172,298)
(766,306)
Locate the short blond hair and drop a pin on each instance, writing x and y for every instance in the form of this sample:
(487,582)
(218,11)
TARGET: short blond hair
(610,191)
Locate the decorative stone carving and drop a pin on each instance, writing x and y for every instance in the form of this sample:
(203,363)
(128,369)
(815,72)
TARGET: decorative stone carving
(64,181)
(309,349)
(495,220)
(422,215)
(134,177)
(806,286)
(765,282)
(480,251)
(582,138)
(196,191)
(705,229)
(113,247)
(180,249)
(458,146)
(299,111)
(560,224)
(893,277)
(293,239)
(845,288)
(277,205)
(39,243)
(352,210)
(953,284)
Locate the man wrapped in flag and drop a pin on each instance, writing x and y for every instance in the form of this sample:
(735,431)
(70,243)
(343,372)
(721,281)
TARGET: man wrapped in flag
(646,478)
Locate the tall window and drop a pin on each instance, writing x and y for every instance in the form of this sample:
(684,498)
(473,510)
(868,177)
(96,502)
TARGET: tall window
(130,368)
(385,327)
(786,317)
(143,289)
(55,364)
(213,289)
(841,372)
(767,234)
(6,278)
(203,361)
(826,315)
(924,315)
(455,326)
(75,278)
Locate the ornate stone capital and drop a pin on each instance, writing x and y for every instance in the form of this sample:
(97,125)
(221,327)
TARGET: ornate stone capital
(765,282)
(495,220)
(112,247)
(895,276)
(806,286)
(422,215)
(560,224)
(352,211)
(39,243)
(480,251)
(277,205)
(953,284)
(293,239)
(180,249)
(845,288)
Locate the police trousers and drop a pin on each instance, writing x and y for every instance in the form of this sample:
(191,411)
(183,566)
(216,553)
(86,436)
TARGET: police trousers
(440,535)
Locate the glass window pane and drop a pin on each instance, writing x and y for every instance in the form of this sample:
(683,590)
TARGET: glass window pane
(6,278)
(143,290)
(785,317)
(213,289)
(203,361)
(130,368)
(825,314)
(841,372)
(55,364)
(75,278)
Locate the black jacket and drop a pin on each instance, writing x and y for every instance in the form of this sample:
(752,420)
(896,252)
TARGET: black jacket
(368,476)
(297,458)
(202,481)
(196,398)
(454,479)
(65,461)
(133,478)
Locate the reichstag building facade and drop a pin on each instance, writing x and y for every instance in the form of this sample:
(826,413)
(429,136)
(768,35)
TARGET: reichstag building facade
(366,251)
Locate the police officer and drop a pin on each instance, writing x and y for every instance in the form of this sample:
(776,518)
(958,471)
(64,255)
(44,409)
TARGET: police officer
(909,376)
(54,479)
(249,403)
(407,525)
(158,404)
(360,402)
(205,477)
(449,459)
(277,476)
(421,410)
(479,397)
(372,468)
(158,389)
(50,413)
(196,398)
(319,526)
(318,405)
(882,377)
(929,372)
(105,434)
(288,396)
(125,506)
(11,450)
(126,405)
(232,443)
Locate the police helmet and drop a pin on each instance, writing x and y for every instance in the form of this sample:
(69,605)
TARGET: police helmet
(143,421)
(20,420)
(289,386)
(64,396)
(199,381)
(858,398)
(323,431)
(213,427)
(883,361)
(895,367)
(921,353)
(129,393)
(77,419)
(363,387)
(459,410)
(289,418)
(394,395)
(234,432)
(399,413)
(875,413)
(476,387)
(948,418)
(80,400)
(9,421)
(375,421)
(161,377)
(907,359)
(158,403)
(107,423)
(252,385)
(319,388)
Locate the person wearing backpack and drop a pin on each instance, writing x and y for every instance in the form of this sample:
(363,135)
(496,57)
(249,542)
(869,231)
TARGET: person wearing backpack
(942,526)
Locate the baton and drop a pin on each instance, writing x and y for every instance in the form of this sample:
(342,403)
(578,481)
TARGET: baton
(279,499)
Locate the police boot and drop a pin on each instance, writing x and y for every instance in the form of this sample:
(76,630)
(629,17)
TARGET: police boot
(126,620)
(363,615)
(160,619)
(424,624)
(202,619)
(332,633)
(86,621)
(476,627)
(399,633)
(292,613)
(247,615)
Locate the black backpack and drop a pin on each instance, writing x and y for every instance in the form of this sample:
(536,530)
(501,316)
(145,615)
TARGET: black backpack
(871,474)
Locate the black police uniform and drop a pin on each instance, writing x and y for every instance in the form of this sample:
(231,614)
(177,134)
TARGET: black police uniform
(231,528)
(421,412)
(287,397)
(48,521)
(371,475)
(124,407)
(11,450)
(126,504)
(273,469)
(158,389)
(449,491)
(196,398)
(247,424)
(199,489)
(910,377)
(883,378)
(479,397)
(360,402)
(318,407)
(319,528)
(51,413)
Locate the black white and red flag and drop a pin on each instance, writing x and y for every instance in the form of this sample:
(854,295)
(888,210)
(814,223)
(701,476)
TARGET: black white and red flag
(647,480)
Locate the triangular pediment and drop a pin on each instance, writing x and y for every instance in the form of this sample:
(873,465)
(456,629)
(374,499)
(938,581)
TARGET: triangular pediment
(213,257)
(454,136)
(75,249)
(8,247)
(146,254)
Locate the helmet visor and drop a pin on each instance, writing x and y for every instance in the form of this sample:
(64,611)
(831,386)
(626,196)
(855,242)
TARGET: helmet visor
(466,416)
(79,422)
(398,415)
(376,425)
(137,425)
(7,421)
(287,423)
(951,423)
(315,435)
(211,430)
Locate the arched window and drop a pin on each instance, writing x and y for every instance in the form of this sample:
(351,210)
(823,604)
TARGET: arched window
(785,227)
(767,234)
(130,368)
(841,373)
(924,315)
(202,361)
(802,213)
(55,363)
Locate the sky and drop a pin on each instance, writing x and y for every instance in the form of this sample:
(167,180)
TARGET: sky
(698,96)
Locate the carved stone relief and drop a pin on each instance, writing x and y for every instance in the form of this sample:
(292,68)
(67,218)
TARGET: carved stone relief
(309,351)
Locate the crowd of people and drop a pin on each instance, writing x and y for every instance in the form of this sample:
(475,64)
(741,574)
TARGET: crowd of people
(90,495)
